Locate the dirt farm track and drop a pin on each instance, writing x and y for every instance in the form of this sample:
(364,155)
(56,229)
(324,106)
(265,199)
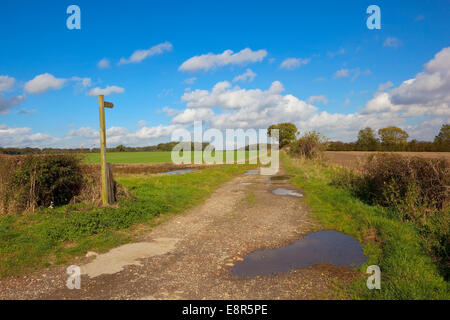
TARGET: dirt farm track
(353,159)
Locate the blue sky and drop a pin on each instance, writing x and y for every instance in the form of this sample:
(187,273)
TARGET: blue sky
(324,66)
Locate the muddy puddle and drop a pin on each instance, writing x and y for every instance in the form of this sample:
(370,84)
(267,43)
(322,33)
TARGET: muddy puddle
(279,178)
(246,183)
(175,172)
(287,192)
(252,172)
(324,247)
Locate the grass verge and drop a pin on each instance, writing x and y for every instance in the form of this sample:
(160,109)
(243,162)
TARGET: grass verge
(32,241)
(407,272)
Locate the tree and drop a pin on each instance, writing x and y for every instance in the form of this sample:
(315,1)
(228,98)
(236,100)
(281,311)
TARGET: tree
(121,148)
(442,140)
(311,145)
(393,137)
(444,134)
(367,140)
(287,133)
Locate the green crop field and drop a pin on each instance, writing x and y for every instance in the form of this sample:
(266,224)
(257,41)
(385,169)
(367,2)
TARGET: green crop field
(130,157)
(139,157)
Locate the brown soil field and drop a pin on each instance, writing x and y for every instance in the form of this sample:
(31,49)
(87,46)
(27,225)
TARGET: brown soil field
(145,168)
(354,159)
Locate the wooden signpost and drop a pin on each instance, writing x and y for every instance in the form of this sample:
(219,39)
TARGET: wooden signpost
(108,195)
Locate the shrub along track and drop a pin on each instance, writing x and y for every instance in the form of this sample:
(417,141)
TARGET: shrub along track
(191,255)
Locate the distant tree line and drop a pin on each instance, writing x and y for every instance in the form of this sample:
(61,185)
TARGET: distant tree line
(393,139)
(388,139)
(257,146)
(23,151)
(120,148)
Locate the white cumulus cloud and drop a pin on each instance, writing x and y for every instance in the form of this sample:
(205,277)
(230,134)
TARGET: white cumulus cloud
(7,103)
(249,76)
(253,108)
(85,82)
(88,137)
(354,73)
(104,63)
(385,86)
(191,115)
(140,55)
(44,82)
(83,132)
(47,81)
(321,99)
(428,93)
(392,42)
(190,80)
(6,83)
(228,57)
(106,91)
(293,63)
(333,54)
(24,137)
(225,96)
(342,73)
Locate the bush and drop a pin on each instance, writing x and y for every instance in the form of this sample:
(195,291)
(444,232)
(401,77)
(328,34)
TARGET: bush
(311,145)
(411,189)
(407,183)
(7,167)
(91,187)
(43,181)
(435,232)
(407,271)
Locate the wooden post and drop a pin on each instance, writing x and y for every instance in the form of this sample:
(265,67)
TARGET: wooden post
(107,190)
(111,185)
(101,109)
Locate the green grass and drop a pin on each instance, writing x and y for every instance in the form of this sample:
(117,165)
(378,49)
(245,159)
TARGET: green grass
(29,242)
(406,271)
(142,157)
(130,157)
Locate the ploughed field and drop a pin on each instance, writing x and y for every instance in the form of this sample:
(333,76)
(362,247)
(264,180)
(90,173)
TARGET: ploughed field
(355,159)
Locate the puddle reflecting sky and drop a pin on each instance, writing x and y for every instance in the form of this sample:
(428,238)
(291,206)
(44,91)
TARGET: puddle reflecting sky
(286,192)
(178,172)
(324,247)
